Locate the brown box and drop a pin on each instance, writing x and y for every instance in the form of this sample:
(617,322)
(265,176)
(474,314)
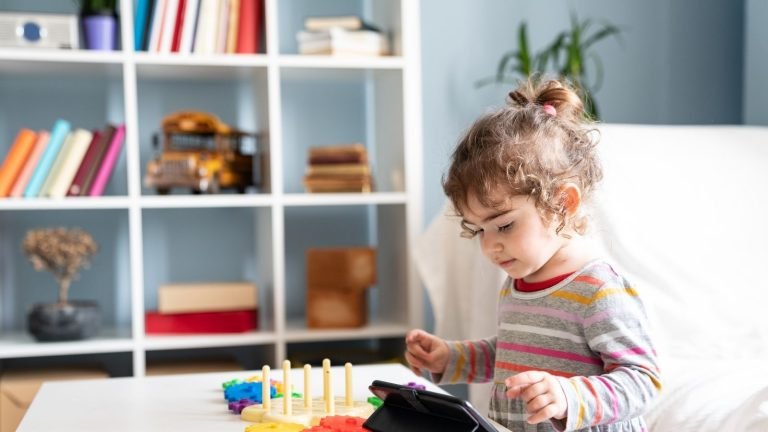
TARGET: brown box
(206,297)
(337,279)
(341,268)
(19,387)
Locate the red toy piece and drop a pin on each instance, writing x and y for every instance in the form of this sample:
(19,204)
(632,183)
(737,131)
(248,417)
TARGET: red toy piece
(339,424)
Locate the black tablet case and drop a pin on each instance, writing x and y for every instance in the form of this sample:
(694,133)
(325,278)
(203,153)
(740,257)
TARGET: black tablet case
(406,409)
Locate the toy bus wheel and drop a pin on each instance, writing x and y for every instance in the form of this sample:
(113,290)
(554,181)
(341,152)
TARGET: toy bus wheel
(163,191)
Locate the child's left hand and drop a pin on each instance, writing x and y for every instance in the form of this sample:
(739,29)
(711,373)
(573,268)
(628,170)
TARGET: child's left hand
(542,394)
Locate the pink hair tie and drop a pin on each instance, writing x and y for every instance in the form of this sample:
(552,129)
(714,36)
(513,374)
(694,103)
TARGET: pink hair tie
(549,109)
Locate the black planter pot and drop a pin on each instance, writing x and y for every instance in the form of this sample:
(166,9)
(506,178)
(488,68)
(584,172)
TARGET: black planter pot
(54,322)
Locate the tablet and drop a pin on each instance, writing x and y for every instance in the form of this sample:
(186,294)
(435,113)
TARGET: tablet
(408,409)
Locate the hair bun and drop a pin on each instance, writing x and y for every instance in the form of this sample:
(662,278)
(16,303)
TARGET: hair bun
(516,97)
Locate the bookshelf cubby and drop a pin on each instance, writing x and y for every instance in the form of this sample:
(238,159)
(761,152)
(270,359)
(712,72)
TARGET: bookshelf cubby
(148,239)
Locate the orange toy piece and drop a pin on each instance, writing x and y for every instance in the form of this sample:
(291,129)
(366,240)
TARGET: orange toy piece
(339,424)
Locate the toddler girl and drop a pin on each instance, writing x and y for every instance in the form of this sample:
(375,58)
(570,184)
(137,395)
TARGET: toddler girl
(572,350)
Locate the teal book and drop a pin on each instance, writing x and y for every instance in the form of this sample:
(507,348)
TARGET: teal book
(58,133)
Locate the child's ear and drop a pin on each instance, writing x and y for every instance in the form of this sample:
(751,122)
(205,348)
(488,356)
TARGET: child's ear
(571,196)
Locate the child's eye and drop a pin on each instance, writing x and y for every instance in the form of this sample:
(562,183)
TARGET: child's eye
(468,231)
(506,227)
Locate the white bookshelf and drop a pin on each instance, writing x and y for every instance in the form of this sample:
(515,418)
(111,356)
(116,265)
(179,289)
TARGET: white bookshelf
(147,239)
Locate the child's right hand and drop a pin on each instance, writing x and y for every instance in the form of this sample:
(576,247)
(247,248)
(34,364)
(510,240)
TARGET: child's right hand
(425,351)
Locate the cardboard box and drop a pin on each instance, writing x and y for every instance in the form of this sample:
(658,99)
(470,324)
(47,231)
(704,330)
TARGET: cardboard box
(332,308)
(19,387)
(341,268)
(206,297)
(337,279)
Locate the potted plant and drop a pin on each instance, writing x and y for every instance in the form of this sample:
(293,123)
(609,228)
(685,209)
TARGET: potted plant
(99,22)
(63,252)
(568,53)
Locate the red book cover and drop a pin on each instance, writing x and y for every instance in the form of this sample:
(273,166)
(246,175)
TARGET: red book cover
(91,166)
(201,322)
(82,170)
(249,27)
(177,27)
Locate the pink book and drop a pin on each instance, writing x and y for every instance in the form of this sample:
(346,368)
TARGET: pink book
(109,162)
(29,166)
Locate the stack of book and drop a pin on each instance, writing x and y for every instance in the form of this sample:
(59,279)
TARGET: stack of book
(218,307)
(62,162)
(198,26)
(341,35)
(340,168)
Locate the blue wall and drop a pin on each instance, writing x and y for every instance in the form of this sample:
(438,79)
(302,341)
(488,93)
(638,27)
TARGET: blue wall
(678,62)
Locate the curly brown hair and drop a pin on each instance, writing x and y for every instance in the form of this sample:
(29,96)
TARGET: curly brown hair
(529,149)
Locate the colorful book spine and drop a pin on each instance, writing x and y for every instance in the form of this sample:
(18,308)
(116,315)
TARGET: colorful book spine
(93,167)
(180,13)
(82,170)
(248,33)
(14,161)
(81,140)
(53,174)
(156,27)
(109,162)
(140,18)
(58,134)
(29,166)
(233,26)
(169,25)
(188,26)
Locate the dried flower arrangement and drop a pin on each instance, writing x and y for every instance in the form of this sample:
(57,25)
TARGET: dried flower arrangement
(61,251)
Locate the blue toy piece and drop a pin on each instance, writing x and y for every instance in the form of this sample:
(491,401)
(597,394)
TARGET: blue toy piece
(246,390)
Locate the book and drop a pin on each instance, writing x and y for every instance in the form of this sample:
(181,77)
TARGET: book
(201,322)
(81,140)
(249,27)
(233,26)
(206,297)
(77,181)
(92,166)
(206,27)
(30,164)
(53,173)
(156,27)
(15,159)
(347,22)
(338,169)
(140,17)
(222,24)
(337,41)
(188,26)
(169,26)
(346,149)
(180,15)
(59,132)
(108,163)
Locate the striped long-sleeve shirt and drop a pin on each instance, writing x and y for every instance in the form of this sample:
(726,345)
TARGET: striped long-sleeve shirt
(590,331)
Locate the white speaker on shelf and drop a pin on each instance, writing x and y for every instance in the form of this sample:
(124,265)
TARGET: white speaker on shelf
(36,30)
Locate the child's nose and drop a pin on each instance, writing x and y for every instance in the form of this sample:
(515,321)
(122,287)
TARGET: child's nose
(491,242)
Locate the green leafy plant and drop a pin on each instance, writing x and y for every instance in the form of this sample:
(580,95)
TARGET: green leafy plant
(567,55)
(97,7)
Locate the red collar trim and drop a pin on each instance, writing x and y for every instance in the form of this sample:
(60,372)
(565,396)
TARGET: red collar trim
(524,286)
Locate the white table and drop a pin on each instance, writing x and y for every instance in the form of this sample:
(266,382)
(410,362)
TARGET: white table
(187,403)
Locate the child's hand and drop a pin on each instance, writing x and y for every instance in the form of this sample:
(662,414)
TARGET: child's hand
(425,351)
(544,398)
